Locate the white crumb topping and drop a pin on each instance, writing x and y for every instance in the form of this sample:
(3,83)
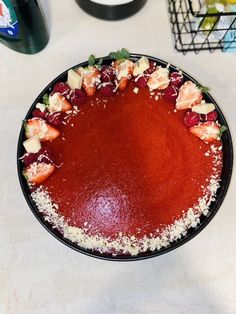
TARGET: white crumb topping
(136,90)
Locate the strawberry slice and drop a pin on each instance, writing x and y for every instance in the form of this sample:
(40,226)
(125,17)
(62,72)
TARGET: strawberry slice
(91,78)
(37,126)
(189,96)
(124,70)
(208,131)
(58,102)
(159,79)
(37,173)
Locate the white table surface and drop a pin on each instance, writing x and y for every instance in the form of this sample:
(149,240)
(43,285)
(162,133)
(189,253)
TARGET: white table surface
(39,275)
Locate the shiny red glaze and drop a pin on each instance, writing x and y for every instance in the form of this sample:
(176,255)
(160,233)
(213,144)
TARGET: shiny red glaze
(129,165)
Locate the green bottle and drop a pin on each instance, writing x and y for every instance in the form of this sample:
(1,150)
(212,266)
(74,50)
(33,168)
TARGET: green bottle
(22,26)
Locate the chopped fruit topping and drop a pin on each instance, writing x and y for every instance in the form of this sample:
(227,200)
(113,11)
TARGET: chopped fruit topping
(191,119)
(211,116)
(151,69)
(159,79)
(37,173)
(203,108)
(45,155)
(37,113)
(107,73)
(141,81)
(74,79)
(91,78)
(62,88)
(124,70)
(171,93)
(57,102)
(140,66)
(77,97)
(37,126)
(55,118)
(41,107)
(32,145)
(29,158)
(208,131)
(189,96)
(107,89)
(176,79)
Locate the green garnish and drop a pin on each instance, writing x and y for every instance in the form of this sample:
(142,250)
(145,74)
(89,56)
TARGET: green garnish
(222,130)
(122,54)
(91,60)
(100,62)
(203,89)
(46,100)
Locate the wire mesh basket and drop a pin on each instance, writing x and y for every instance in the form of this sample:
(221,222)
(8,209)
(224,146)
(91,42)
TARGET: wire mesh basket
(188,19)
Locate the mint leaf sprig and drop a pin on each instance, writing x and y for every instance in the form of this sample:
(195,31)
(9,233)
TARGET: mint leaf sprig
(122,54)
(223,128)
(203,89)
(92,61)
(46,100)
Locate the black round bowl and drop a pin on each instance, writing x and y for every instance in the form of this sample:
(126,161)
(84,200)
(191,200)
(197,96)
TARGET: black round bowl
(192,232)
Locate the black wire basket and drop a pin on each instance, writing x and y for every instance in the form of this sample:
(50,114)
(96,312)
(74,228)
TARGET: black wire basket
(187,18)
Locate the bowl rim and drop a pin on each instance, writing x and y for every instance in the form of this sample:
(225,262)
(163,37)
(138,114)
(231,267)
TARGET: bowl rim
(192,232)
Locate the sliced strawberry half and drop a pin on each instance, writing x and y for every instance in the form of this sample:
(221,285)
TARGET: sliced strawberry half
(45,131)
(91,78)
(58,102)
(159,79)
(189,96)
(124,70)
(37,173)
(208,131)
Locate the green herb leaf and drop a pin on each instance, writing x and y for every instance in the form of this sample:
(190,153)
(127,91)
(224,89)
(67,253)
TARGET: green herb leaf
(46,100)
(222,130)
(125,53)
(203,89)
(91,60)
(100,62)
(122,54)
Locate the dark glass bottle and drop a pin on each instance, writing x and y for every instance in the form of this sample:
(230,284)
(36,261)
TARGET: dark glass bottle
(111,9)
(22,26)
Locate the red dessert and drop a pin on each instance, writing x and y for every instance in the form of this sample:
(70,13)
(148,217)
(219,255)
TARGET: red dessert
(132,174)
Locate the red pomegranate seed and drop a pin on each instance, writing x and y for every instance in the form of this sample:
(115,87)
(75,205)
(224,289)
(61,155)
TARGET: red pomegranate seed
(107,73)
(45,155)
(62,88)
(55,118)
(171,93)
(176,79)
(211,116)
(141,81)
(29,158)
(107,90)
(37,113)
(191,118)
(151,69)
(77,97)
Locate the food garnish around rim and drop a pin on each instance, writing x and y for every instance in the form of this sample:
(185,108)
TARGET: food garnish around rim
(52,115)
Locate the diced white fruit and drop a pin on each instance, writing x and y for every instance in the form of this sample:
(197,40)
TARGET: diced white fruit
(55,102)
(74,80)
(32,145)
(140,66)
(203,108)
(40,106)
